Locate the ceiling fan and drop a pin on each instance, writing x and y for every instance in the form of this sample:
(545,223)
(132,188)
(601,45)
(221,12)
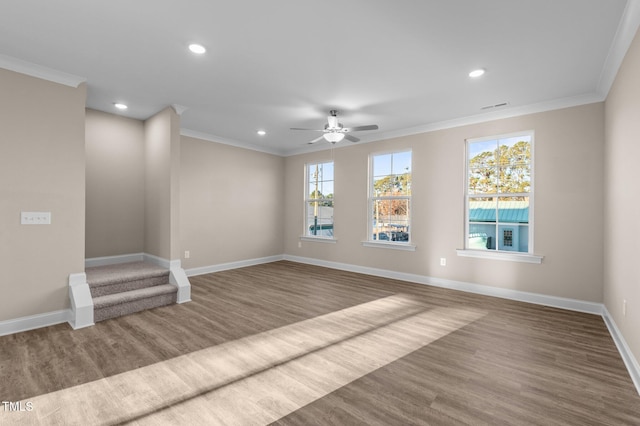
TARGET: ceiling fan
(334,132)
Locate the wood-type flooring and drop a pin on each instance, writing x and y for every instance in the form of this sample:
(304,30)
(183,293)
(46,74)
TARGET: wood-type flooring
(292,344)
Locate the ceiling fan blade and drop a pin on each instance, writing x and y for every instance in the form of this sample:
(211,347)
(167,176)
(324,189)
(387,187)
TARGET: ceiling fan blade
(360,128)
(351,138)
(316,140)
(311,130)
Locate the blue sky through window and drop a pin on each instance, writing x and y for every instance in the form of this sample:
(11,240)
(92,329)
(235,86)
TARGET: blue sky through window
(391,164)
(325,178)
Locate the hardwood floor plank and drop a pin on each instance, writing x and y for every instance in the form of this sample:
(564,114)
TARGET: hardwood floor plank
(289,344)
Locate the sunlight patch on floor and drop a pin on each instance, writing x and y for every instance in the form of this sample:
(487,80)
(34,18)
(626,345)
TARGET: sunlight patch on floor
(257,379)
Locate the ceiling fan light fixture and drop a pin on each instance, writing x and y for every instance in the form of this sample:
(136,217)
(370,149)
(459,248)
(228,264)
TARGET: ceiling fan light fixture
(333,137)
(334,131)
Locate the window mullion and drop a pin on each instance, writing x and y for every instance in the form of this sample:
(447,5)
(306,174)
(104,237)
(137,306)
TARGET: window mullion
(318,210)
(389,197)
(489,213)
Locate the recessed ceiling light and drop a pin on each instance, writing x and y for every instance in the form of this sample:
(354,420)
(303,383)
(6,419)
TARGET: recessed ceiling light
(476,73)
(120,106)
(262,132)
(197,48)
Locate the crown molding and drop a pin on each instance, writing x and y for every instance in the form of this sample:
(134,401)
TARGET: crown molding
(625,33)
(23,67)
(503,113)
(627,29)
(218,139)
(508,112)
(179,109)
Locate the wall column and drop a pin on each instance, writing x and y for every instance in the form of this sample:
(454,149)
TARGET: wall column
(162,185)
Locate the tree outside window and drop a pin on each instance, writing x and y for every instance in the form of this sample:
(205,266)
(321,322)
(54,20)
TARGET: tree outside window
(390,197)
(319,200)
(499,193)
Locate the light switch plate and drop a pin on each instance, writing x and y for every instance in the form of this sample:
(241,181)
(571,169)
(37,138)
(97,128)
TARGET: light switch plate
(35,218)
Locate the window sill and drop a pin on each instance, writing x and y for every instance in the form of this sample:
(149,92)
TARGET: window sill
(318,239)
(501,255)
(393,246)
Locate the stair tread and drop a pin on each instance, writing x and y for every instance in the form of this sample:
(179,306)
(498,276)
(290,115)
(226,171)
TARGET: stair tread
(132,295)
(123,272)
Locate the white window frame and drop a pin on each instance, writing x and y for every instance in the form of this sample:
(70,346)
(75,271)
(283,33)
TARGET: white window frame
(529,256)
(307,200)
(370,242)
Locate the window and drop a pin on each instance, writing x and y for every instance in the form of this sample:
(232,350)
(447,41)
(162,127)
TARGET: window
(390,197)
(499,193)
(319,200)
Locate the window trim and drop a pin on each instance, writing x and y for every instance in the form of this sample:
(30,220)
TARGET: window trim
(501,255)
(369,241)
(389,245)
(528,256)
(306,201)
(316,239)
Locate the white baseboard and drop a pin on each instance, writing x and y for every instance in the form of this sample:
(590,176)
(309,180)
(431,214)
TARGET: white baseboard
(164,263)
(539,299)
(32,322)
(112,260)
(131,257)
(629,360)
(44,320)
(232,265)
(504,293)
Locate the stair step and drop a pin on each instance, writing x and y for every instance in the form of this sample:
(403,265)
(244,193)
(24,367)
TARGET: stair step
(123,272)
(123,277)
(128,302)
(121,287)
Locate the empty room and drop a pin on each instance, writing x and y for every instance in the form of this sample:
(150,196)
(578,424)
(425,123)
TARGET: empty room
(319,213)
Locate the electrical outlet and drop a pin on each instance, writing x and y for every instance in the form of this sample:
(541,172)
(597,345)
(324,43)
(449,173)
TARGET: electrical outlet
(187,254)
(443,261)
(624,308)
(299,244)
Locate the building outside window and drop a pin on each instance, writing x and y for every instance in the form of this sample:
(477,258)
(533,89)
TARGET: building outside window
(319,200)
(390,197)
(499,193)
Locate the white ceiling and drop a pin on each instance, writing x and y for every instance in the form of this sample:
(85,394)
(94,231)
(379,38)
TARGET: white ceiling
(278,64)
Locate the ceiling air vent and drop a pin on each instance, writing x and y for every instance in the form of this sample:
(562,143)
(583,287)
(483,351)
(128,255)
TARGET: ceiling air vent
(500,105)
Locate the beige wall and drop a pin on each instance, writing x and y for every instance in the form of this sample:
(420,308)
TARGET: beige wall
(227,204)
(231,203)
(42,168)
(622,204)
(569,147)
(162,162)
(115,185)
(174,186)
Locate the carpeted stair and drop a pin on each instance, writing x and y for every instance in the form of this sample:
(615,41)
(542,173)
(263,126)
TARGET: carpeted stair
(126,288)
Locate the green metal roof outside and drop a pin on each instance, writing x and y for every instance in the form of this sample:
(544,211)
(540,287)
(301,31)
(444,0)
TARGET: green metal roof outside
(509,211)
